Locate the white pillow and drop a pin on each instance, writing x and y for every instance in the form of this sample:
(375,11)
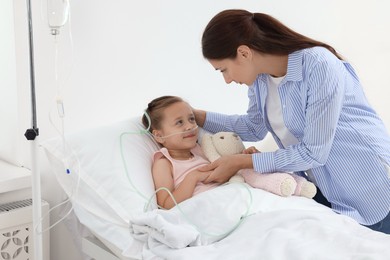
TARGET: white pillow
(97,169)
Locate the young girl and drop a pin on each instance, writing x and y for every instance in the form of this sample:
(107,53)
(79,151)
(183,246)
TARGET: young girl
(173,125)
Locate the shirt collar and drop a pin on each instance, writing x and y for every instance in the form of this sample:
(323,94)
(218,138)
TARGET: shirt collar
(295,66)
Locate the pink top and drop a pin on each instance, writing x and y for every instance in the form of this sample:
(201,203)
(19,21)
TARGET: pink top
(182,167)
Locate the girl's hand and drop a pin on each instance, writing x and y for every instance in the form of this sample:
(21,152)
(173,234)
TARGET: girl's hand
(250,150)
(200,176)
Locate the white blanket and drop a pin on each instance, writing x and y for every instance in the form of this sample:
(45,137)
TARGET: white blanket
(217,225)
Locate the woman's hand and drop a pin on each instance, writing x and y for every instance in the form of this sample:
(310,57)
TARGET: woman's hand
(200,116)
(226,166)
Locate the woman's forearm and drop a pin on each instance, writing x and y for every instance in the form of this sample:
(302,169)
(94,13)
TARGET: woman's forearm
(244,161)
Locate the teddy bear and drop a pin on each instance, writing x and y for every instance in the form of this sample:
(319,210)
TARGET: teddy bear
(280,183)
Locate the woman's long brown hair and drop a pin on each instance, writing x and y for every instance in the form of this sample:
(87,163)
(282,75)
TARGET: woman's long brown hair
(231,28)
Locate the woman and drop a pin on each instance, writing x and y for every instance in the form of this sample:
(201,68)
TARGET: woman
(311,101)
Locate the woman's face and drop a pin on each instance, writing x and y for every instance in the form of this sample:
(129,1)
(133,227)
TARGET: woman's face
(234,70)
(241,69)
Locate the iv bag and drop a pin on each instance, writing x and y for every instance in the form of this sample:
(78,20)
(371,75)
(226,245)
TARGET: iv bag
(57,14)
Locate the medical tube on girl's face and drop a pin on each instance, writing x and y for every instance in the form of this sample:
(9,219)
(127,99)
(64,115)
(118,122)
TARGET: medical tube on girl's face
(183,132)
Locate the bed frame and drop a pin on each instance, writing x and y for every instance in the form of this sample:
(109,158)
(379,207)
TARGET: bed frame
(96,249)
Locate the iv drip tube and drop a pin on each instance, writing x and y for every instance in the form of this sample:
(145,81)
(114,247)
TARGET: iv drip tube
(32,135)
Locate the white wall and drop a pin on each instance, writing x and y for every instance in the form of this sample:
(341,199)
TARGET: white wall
(8,97)
(128,52)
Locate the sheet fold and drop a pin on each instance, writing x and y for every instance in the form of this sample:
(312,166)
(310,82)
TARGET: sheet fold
(238,222)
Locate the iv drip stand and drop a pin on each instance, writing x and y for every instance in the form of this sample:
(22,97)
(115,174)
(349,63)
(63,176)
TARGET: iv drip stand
(32,135)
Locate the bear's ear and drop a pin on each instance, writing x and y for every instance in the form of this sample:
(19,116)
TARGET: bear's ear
(208,148)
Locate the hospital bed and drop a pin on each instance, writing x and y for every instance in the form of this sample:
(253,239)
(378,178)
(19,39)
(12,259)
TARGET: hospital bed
(106,173)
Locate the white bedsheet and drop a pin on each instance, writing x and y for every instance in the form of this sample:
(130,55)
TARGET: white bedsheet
(275,228)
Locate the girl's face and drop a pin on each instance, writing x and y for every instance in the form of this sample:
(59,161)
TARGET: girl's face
(178,127)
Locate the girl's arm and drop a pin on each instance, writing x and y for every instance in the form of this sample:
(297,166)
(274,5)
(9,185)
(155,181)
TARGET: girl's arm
(162,177)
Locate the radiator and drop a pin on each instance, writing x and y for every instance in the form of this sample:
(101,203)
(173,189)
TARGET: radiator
(16,230)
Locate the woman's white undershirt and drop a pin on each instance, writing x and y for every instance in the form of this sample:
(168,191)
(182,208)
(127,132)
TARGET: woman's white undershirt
(275,116)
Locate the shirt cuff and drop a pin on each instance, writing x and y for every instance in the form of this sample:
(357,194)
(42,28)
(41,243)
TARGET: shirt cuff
(214,122)
(264,162)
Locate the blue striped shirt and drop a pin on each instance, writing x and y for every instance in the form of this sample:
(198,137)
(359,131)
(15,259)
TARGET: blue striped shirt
(341,138)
